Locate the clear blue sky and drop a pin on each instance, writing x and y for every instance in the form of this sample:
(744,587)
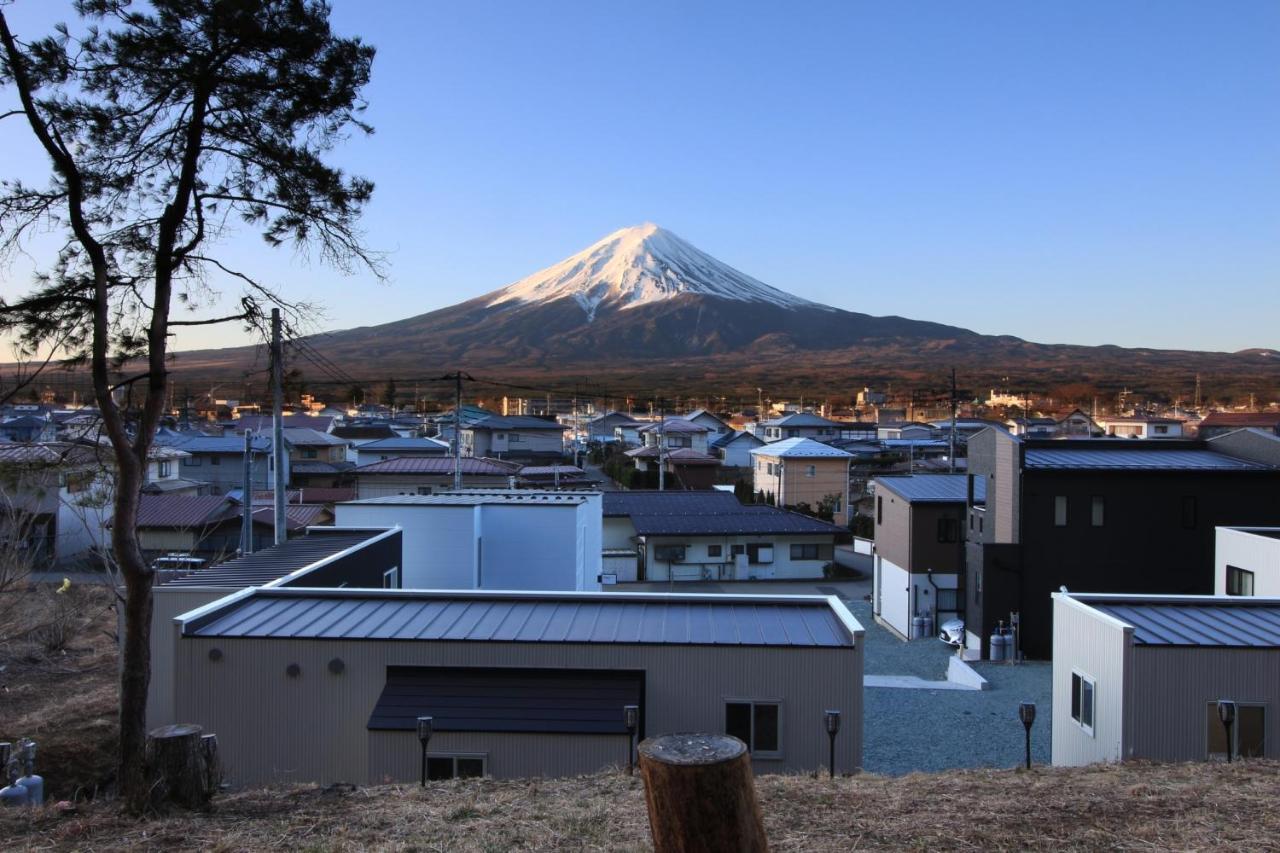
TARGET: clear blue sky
(1085,172)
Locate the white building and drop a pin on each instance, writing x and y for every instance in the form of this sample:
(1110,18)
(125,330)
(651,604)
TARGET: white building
(1140,676)
(491,539)
(1247,561)
(1141,427)
(515,437)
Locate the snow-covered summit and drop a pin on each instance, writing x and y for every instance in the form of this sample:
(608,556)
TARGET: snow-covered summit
(639,266)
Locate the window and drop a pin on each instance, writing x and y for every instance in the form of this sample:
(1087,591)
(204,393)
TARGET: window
(309,453)
(1060,511)
(769,466)
(669,553)
(679,441)
(391,578)
(879,509)
(1189,512)
(514,438)
(811,470)
(1239,582)
(714,550)
(735,550)
(1247,732)
(793,433)
(440,767)
(191,462)
(812,552)
(215,460)
(424,490)
(1098,511)
(981,519)
(948,601)
(1162,430)
(757,724)
(1082,700)
(760,552)
(948,530)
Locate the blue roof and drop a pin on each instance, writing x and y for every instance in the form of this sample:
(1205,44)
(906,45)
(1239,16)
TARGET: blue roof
(935,488)
(800,448)
(745,521)
(402,444)
(427,615)
(652,502)
(1198,622)
(213,443)
(727,438)
(516,422)
(1114,457)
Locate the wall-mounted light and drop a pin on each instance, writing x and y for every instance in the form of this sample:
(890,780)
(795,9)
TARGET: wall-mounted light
(336,666)
(293,670)
(215,655)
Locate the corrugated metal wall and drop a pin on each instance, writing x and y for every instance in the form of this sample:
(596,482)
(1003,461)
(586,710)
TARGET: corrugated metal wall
(273,728)
(1097,647)
(1172,685)
(169,603)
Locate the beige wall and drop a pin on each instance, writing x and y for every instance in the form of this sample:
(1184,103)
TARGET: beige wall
(170,603)
(273,728)
(793,486)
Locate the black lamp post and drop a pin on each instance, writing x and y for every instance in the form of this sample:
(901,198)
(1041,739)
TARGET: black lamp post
(424,735)
(1227,713)
(631,719)
(832,720)
(1027,713)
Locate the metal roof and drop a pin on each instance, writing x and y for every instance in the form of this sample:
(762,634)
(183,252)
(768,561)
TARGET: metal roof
(674,425)
(747,521)
(1242,419)
(370,431)
(474,616)
(1225,621)
(486,498)
(935,488)
(278,561)
(514,422)
(551,471)
(182,511)
(437,465)
(1121,457)
(296,516)
(307,437)
(802,419)
(725,439)
(398,444)
(799,448)
(652,502)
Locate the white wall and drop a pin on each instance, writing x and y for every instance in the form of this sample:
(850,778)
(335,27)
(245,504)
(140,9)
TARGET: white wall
(1100,647)
(892,595)
(697,562)
(529,547)
(439,541)
(1252,552)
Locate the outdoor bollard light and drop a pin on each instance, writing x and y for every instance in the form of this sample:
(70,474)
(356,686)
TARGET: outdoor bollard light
(1027,713)
(832,719)
(424,735)
(631,719)
(1227,713)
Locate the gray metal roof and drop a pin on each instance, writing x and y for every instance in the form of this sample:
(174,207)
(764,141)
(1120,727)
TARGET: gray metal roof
(652,502)
(525,498)
(1112,457)
(434,615)
(276,562)
(935,488)
(746,521)
(799,448)
(1198,623)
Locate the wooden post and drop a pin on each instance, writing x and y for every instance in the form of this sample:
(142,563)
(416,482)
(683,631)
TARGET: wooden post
(700,794)
(183,765)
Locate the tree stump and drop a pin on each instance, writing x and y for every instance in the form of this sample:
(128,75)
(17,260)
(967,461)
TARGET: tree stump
(701,795)
(183,766)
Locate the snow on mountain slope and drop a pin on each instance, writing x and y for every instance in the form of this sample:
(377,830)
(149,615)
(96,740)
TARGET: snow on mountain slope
(637,266)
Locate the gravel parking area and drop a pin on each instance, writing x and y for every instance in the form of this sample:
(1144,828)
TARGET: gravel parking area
(909,730)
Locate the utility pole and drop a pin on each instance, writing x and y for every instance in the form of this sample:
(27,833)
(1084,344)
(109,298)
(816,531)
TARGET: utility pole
(662,445)
(1197,392)
(277,426)
(951,452)
(457,376)
(246,521)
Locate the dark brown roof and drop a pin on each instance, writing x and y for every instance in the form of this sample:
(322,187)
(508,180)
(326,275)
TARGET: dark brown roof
(437,465)
(1241,419)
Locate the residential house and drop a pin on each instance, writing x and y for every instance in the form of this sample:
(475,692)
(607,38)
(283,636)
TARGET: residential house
(734,448)
(543,678)
(1247,561)
(603,428)
(1219,423)
(1107,516)
(1077,424)
(555,477)
(316,458)
(397,448)
(908,431)
(716,426)
(709,535)
(919,562)
(265,423)
(165,472)
(675,433)
(1141,426)
(208,527)
(515,437)
(683,467)
(219,460)
(362,433)
(54,499)
(628,434)
(28,428)
(796,471)
(425,475)
(1033,427)
(491,539)
(800,425)
(323,557)
(1139,677)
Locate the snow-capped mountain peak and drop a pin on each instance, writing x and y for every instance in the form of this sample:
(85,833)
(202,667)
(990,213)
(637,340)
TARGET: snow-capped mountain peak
(637,266)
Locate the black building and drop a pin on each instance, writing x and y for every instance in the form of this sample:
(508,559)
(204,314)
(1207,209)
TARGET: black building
(1099,515)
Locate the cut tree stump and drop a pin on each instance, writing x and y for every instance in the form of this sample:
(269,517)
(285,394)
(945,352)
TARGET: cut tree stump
(183,763)
(701,794)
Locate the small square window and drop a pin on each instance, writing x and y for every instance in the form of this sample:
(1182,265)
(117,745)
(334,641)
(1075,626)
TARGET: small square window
(1098,509)
(714,550)
(1083,690)
(442,767)
(1239,581)
(1060,511)
(757,724)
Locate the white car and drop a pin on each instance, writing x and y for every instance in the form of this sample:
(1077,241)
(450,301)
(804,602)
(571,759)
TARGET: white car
(952,633)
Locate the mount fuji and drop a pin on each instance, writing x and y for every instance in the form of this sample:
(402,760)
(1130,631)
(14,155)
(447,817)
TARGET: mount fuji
(645,308)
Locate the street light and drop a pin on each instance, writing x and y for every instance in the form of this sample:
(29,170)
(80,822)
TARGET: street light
(832,720)
(631,719)
(1227,713)
(424,735)
(1027,713)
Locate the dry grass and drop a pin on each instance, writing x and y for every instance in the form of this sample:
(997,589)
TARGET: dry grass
(58,682)
(1133,806)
